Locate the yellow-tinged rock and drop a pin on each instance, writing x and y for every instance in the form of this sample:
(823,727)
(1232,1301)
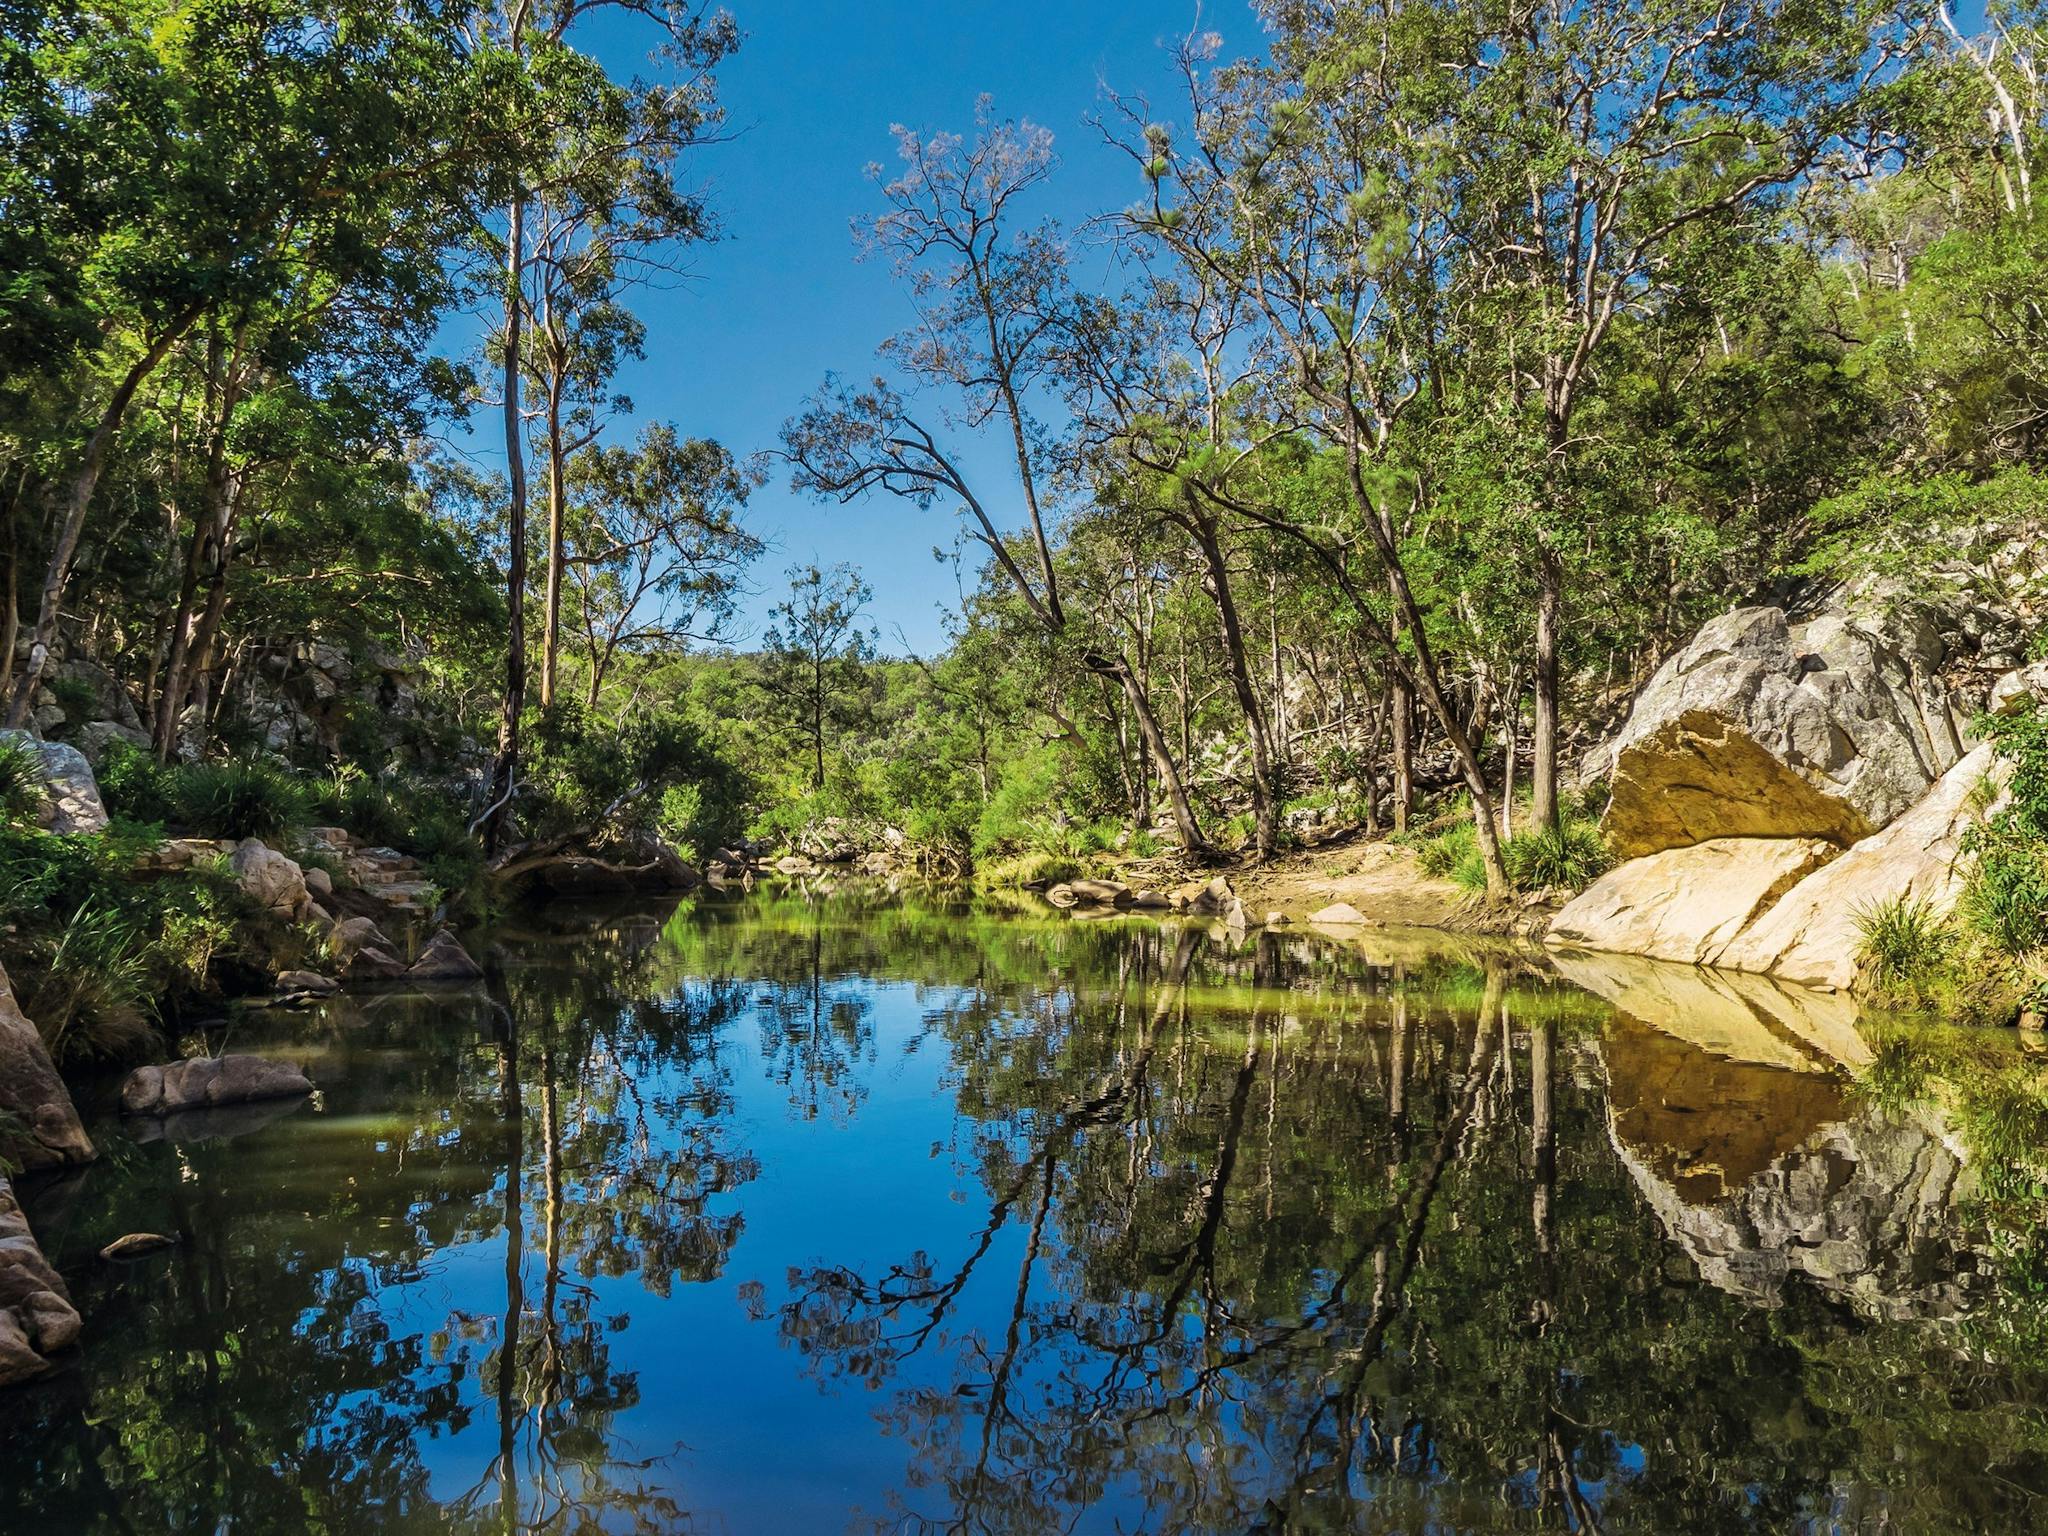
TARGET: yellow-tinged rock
(1686,904)
(1811,935)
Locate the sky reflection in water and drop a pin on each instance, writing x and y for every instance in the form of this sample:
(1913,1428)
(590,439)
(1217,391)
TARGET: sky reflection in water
(773,1216)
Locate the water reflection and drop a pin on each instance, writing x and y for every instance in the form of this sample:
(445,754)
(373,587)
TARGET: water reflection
(775,1215)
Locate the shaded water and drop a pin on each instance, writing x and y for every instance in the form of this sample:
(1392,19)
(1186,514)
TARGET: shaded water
(767,1216)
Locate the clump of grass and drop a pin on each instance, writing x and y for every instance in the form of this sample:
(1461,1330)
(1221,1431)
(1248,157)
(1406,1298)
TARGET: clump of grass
(238,797)
(91,998)
(1449,851)
(1026,869)
(1571,854)
(21,781)
(1903,945)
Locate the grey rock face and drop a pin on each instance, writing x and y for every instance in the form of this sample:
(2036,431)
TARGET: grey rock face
(1760,728)
(33,1093)
(36,1316)
(71,802)
(207,1082)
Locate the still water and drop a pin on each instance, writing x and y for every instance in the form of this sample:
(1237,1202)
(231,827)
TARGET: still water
(771,1215)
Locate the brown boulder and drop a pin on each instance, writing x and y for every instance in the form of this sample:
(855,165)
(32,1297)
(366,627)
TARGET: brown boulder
(36,1316)
(444,960)
(205,1082)
(33,1093)
(1760,728)
(1686,904)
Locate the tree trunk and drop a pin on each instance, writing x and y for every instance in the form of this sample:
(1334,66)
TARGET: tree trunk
(1192,841)
(1265,815)
(1401,718)
(1543,773)
(51,603)
(552,620)
(505,765)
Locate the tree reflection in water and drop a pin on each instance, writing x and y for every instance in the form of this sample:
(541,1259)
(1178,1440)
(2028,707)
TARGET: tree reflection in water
(1258,1235)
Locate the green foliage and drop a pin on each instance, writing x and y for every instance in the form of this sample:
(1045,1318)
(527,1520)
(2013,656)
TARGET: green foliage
(238,798)
(2005,893)
(95,951)
(21,781)
(1570,855)
(133,784)
(1903,945)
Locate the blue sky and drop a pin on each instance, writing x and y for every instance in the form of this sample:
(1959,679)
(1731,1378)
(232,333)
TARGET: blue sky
(781,299)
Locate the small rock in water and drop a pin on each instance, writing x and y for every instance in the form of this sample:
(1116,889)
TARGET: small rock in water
(306,981)
(136,1245)
(1276,919)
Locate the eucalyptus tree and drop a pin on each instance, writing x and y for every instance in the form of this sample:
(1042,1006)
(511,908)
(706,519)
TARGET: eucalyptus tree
(1572,147)
(991,297)
(1295,192)
(652,547)
(578,177)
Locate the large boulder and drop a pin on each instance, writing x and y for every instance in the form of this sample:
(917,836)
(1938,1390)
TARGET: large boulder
(1762,728)
(1814,931)
(444,962)
(207,1082)
(270,878)
(71,795)
(1686,904)
(34,1095)
(37,1318)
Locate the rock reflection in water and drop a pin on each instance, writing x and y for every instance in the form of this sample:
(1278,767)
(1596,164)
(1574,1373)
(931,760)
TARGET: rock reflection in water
(782,1216)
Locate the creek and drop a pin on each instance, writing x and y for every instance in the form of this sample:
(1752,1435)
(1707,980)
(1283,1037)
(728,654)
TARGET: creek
(767,1214)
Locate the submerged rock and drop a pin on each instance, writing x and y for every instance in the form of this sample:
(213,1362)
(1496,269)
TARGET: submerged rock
(136,1245)
(206,1082)
(37,1318)
(33,1093)
(1759,728)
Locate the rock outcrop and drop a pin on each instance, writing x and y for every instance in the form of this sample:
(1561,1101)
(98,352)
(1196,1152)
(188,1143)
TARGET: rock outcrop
(1687,904)
(32,1093)
(1812,933)
(71,795)
(37,1318)
(207,1082)
(1762,728)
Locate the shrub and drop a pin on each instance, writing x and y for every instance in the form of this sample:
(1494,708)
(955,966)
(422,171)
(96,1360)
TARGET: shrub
(1903,944)
(134,784)
(21,781)
(2005,897)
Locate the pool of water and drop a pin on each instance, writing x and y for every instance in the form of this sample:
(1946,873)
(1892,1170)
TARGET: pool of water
(771,1215)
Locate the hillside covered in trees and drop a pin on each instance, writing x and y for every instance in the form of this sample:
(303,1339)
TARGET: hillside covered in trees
(1447,365)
